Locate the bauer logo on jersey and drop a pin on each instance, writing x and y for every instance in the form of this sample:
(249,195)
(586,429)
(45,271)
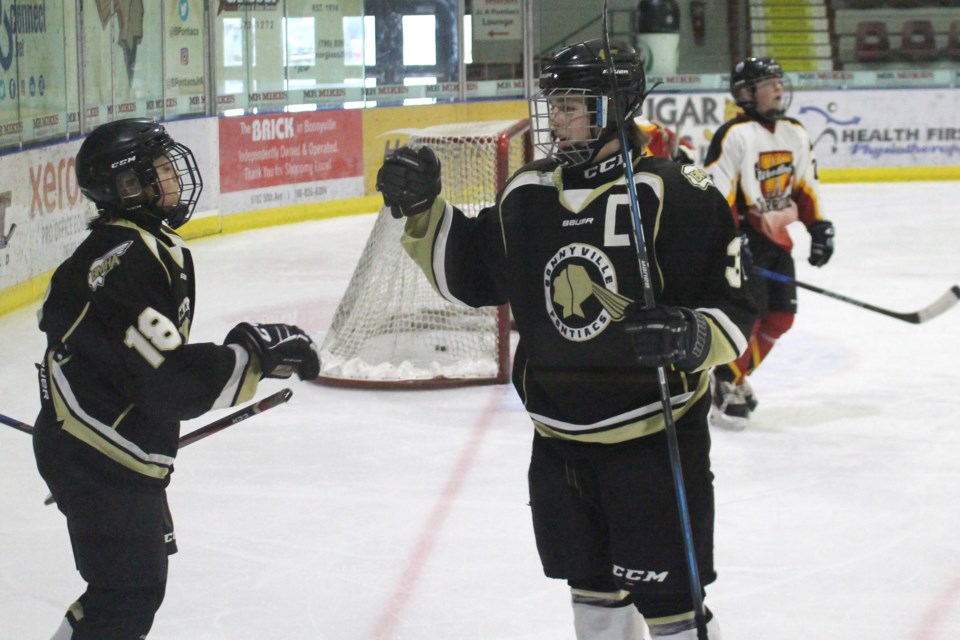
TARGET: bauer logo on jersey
(104,264)
(580,288)
(774,173)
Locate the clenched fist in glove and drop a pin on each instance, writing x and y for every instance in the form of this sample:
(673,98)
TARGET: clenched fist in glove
(283,349)
(666,336)
(821,242)
(409,181)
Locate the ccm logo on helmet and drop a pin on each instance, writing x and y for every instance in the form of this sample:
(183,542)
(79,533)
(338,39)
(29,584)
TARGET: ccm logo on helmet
(120,163)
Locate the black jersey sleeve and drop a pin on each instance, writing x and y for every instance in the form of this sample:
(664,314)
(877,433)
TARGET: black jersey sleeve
(462,257)
(698,256)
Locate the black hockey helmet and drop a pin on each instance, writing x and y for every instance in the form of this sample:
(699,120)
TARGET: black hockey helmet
(582,71)
(747,74)
(115,169)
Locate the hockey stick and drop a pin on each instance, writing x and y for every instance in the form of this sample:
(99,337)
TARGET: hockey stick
(932,310)
(16,424)
(670,427)
(240,415)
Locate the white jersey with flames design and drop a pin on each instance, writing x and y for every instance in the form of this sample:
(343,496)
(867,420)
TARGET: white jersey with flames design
(768,174)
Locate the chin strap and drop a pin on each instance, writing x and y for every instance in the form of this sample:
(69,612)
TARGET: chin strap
(605,137)
(611,133)
(177,216)
(771,116)
(750,108)
(150,213)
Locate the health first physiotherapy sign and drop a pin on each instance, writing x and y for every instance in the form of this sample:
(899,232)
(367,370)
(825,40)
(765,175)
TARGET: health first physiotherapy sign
(849,129)
(881,128)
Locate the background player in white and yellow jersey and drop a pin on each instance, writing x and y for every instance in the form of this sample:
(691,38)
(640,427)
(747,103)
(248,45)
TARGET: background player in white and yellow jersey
(763,163)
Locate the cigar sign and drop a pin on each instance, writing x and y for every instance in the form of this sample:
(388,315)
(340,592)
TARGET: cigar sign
(497,20)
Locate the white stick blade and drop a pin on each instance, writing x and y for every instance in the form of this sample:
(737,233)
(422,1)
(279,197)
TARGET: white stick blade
(944,303)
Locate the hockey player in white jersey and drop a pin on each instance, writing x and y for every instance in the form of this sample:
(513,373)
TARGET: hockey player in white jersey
(763,163)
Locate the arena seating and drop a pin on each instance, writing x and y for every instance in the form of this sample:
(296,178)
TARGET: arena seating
(873,42)
(918,42)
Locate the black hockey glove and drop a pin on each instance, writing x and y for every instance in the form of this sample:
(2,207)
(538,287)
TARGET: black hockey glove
(666,336)
(821,242)
(409,181)
(283,349)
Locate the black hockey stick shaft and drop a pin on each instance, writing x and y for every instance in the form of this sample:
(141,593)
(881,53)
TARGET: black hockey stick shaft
(16,424)
(932,310)
(240,415)
(670,427)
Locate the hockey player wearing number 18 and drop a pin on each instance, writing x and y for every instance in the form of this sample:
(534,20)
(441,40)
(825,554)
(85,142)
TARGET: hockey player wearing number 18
(118,374)
(763,164)
(558,246)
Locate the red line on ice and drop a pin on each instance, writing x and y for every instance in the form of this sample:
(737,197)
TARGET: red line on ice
(932,621)
(406,585)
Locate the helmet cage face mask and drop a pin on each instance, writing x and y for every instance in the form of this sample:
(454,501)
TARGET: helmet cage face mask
(140,185)
(572,109)
(189,186)
(116,170)
(582,71)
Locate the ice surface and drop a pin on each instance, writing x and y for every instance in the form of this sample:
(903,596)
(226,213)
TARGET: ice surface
(350,514)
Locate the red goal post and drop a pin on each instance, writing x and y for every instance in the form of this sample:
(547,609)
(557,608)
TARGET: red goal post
(391,329)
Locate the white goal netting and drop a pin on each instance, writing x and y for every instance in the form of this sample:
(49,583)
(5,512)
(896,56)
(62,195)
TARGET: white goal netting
(391,329)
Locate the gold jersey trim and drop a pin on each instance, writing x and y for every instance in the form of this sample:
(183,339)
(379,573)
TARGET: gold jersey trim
(643,421)
(98,435)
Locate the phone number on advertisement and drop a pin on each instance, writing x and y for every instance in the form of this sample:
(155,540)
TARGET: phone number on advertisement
(309,192)
(266,198)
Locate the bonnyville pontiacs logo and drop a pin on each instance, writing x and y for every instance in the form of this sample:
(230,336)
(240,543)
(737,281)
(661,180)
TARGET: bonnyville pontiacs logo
(580,288)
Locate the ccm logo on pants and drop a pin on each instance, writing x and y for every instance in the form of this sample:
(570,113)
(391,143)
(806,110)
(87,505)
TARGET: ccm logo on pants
(639,575)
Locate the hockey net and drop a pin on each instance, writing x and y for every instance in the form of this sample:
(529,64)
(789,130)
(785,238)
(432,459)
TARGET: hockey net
(391,329)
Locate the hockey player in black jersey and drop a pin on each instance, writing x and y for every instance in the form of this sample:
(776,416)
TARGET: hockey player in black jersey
(118,374)
(558,246)
(763,163)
